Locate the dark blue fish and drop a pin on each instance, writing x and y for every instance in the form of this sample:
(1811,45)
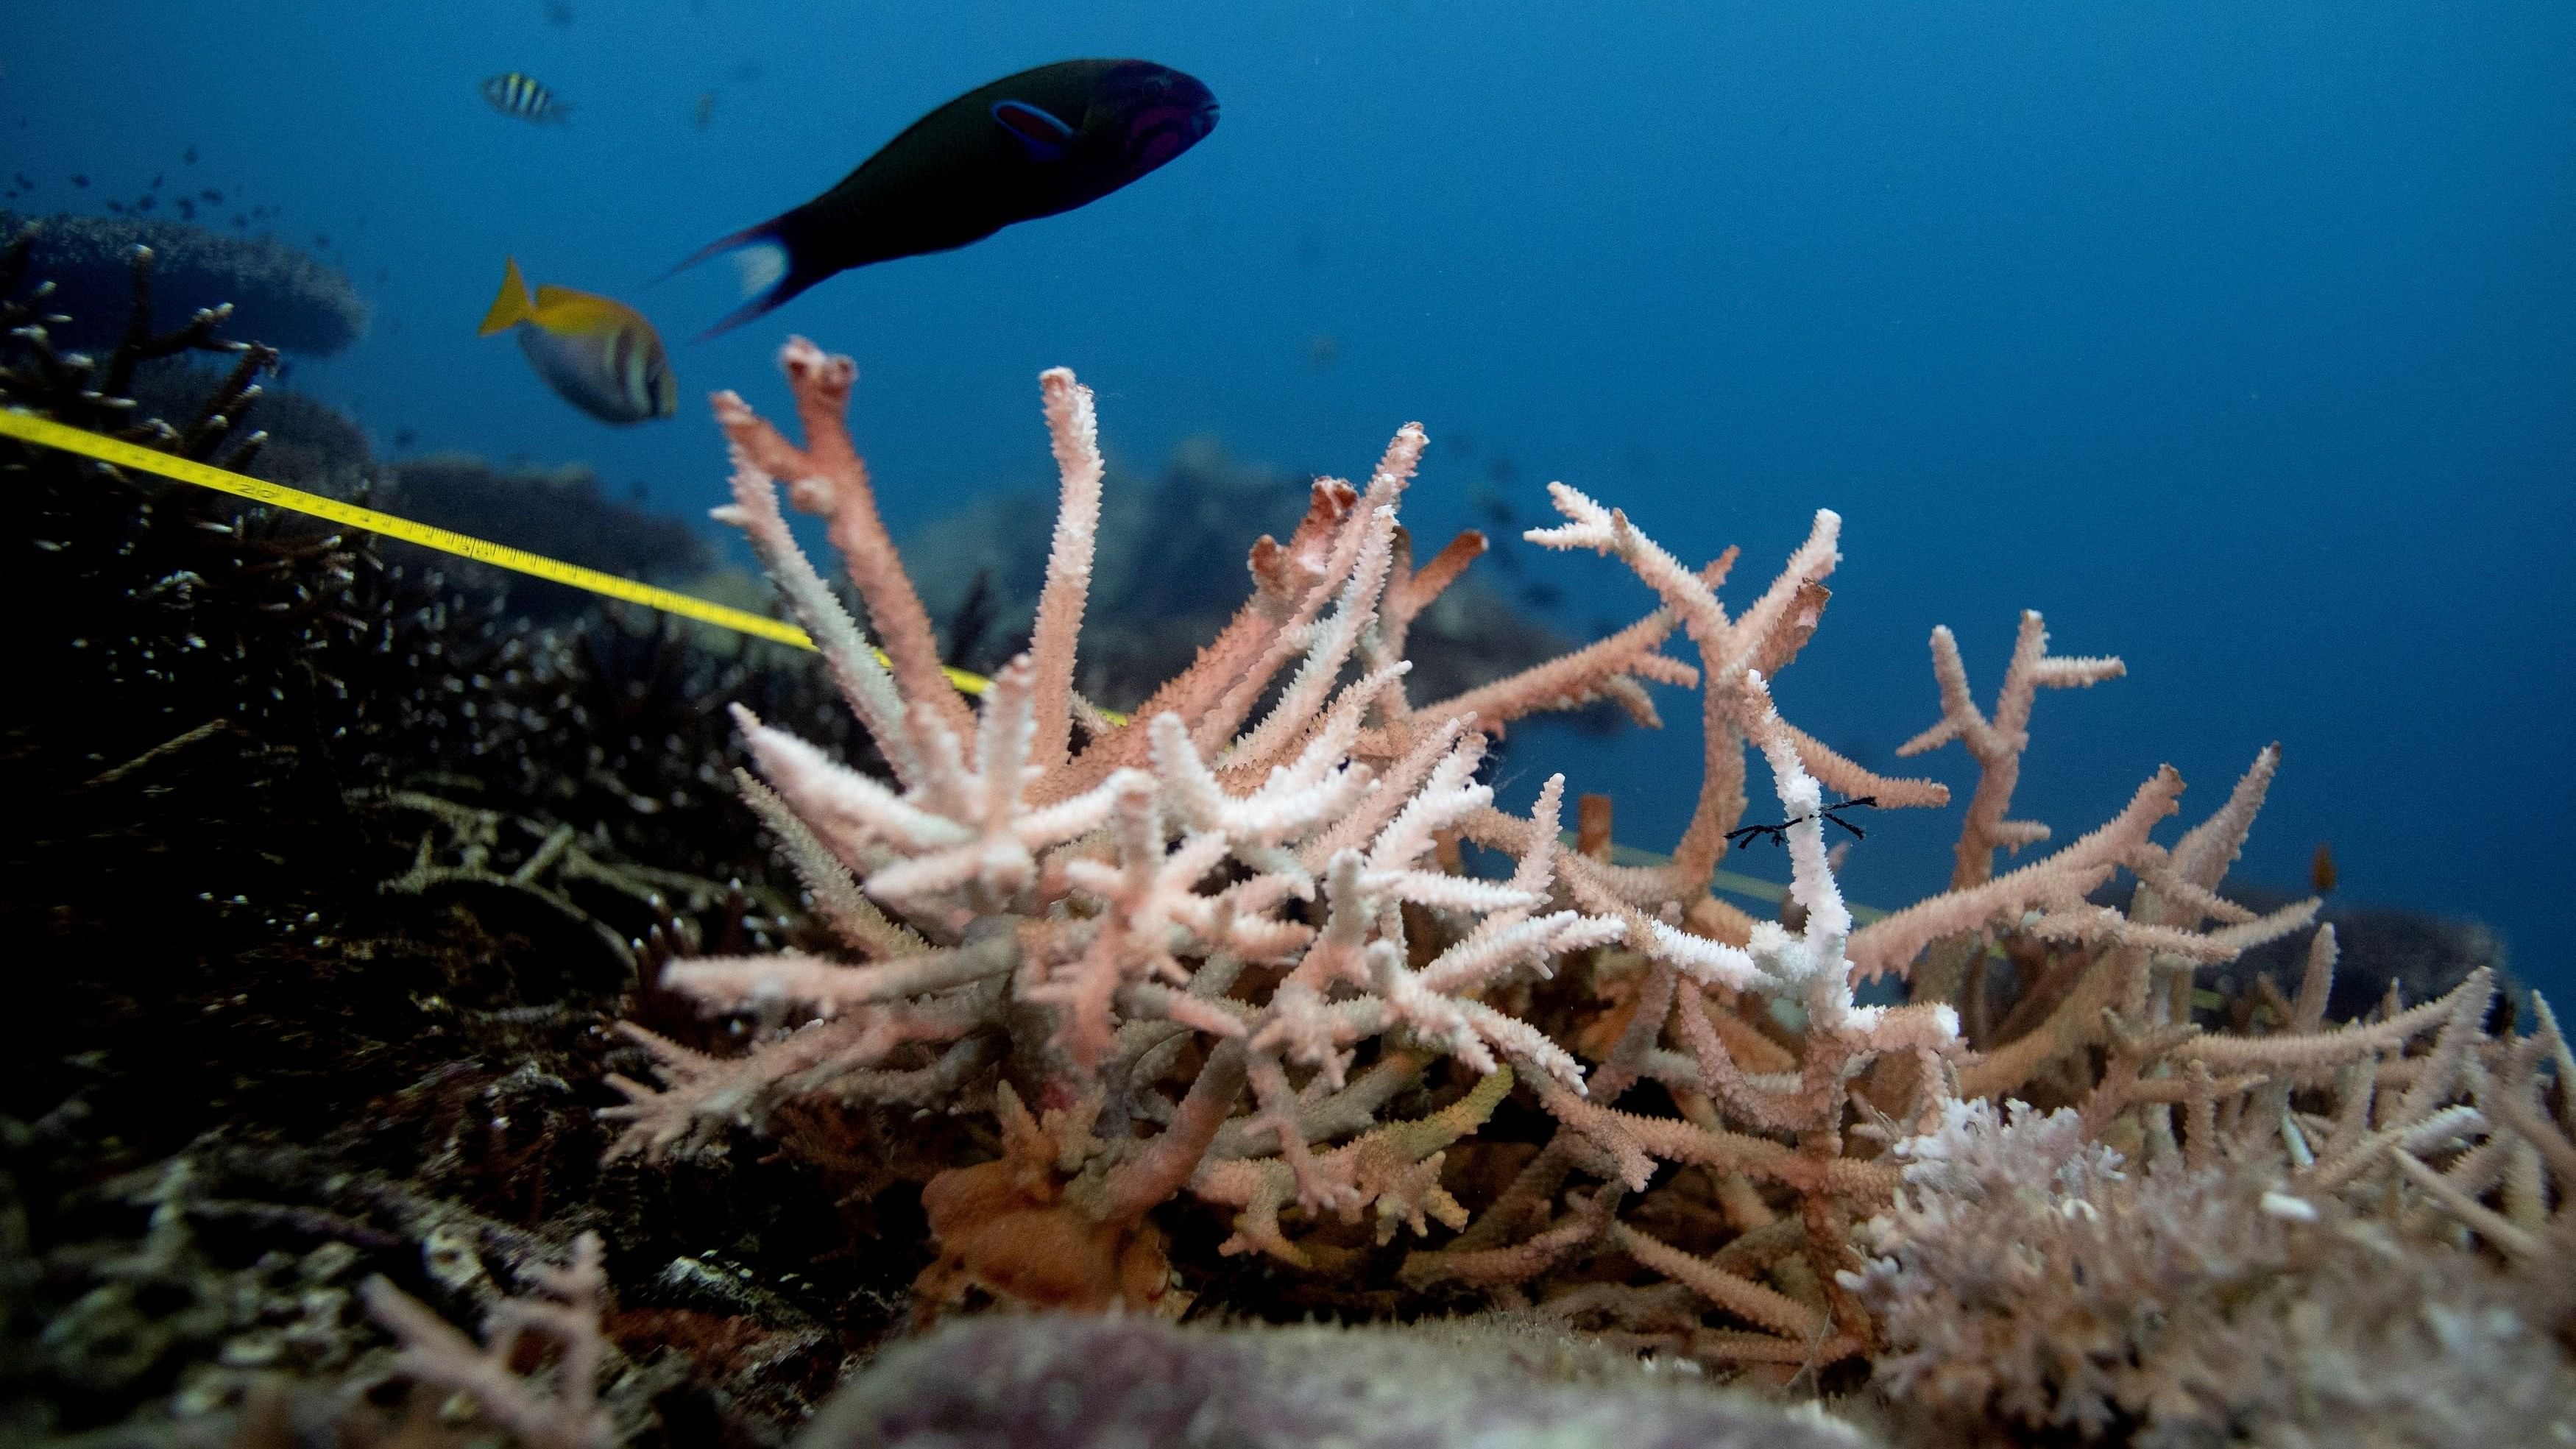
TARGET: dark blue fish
(513,94)
(1029,145)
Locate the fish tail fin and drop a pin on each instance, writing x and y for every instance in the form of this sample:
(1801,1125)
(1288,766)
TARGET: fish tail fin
(771,269)
(513,306)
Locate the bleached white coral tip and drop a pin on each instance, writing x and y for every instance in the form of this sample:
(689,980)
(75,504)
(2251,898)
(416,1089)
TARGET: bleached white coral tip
(2290,1209)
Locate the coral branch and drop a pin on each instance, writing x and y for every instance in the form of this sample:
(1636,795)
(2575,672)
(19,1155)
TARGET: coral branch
(828,477)
(1075,429)
(566,1308)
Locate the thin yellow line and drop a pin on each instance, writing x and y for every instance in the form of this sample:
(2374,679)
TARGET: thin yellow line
(31,428)
(28,427)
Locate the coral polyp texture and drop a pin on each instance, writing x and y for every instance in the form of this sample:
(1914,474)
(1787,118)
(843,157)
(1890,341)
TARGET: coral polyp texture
(1229,961)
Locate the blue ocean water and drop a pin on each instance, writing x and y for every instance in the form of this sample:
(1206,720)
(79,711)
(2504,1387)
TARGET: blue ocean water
(2239,341)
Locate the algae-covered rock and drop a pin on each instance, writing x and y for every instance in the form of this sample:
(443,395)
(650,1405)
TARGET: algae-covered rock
(1068,1382)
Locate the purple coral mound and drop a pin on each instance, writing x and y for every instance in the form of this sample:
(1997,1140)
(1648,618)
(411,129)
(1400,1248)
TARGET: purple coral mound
(1058,1381)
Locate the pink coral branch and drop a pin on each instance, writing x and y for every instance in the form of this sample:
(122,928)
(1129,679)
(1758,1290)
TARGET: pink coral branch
(1997,744)
(846,652)
(1075,428)
(2201,858)
(1571,681)
(827,476)
(566,1308)
(1419,587)
(1892,942)
(1853,781)
(1767,634)
(1408,593)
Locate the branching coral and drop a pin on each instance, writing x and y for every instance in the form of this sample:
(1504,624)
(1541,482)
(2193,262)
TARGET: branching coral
(2032,1280)
(95,392)
(565,1414)
(1198,898)
(2337,1211)
(1774,1151)
(1229,950)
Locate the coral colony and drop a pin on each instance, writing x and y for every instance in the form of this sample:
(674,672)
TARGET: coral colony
(1228,951)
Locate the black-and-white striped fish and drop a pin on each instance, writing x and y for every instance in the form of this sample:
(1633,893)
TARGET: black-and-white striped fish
(514,94)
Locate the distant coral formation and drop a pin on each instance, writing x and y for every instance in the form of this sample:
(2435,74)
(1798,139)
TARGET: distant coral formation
(2379,949)
(561,513)
(278,293)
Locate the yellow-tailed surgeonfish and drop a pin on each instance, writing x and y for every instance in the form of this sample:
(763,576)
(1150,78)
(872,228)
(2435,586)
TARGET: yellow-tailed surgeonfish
(599,353)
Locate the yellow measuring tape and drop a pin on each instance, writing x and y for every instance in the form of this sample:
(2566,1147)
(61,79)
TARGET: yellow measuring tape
(33,429)
(27,427)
